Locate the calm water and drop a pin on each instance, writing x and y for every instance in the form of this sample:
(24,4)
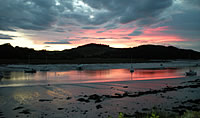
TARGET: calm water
(89,76)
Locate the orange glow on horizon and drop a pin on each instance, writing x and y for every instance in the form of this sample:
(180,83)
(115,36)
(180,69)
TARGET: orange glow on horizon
(117,38)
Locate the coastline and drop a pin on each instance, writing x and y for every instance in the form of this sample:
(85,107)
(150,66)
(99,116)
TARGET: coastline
(101,99)
(96,66)
(94,100)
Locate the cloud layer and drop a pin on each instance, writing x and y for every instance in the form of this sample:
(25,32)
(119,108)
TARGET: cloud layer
(6,37)
(119,22)
(59,42)
(44,14)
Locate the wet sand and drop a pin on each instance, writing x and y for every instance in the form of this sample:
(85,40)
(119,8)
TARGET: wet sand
(93,100)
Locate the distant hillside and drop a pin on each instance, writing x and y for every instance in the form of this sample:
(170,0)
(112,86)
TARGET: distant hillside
(91,51)
(7,51)
(154,52)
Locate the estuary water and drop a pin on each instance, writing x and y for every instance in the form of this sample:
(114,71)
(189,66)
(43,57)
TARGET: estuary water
(20,78)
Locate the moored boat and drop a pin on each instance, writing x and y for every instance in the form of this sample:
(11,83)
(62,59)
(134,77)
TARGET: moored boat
(131,69)
(1,75)
(30,71)
(191,73)
(79,67)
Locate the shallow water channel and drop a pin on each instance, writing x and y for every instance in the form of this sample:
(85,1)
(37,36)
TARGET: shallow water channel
(20,78)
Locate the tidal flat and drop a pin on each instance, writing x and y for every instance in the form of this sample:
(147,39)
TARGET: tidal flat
(99,91)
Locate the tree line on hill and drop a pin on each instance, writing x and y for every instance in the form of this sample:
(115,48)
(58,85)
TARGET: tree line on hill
(147,52)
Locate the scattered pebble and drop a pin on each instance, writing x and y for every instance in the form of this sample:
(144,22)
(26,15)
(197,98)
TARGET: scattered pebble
(99,106)
(17,108)
(26,111)
(45,100)
(145,109)
(60,108)
(83,100)
(68,98)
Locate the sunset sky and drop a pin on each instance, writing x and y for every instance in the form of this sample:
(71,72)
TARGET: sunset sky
(65,24)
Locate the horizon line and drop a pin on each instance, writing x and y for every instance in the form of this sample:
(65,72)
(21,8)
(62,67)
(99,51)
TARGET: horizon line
(98,44)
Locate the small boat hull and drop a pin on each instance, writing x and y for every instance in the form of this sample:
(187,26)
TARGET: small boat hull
(1,75)
(44,70)
(30,71)
(131,69)
(79,67)
(191,73)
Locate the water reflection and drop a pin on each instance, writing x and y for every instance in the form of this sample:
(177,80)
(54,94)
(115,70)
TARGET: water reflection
(24,97)
(97,72)
(87,76)
(157,74)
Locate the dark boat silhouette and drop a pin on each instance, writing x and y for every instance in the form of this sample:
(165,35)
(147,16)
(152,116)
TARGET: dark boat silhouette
(191,73)
(131,69)
(79,67)
(30,71)
(1,75)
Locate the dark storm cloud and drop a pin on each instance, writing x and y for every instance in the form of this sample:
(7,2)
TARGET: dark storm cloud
(100,31)
(43,14)
(99,18)
(125,38)
(185,24)
(192,2)
(129,10)
(188,20)
(59,42)
(7,37)
(89,27)
(135,33)
(26,14)
(111,26)
(59,30)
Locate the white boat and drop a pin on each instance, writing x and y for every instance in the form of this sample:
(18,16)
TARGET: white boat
(191,73)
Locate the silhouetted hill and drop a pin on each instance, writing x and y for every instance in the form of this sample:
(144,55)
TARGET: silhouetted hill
(99,52)
(154,52)
(7,51)
(90,50)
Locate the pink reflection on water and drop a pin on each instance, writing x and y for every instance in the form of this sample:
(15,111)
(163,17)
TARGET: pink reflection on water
(91,76)
(87,76)
(156,74)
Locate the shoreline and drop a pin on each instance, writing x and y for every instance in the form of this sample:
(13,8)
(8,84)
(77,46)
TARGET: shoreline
(78,61)
(88,61)
(107,98)
(93,83)
(66,67)
(101,99)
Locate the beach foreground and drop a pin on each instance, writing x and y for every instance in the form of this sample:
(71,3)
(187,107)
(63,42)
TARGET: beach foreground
(94,100)
(99,91)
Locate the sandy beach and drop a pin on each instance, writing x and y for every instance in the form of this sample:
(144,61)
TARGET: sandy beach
(100,99)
